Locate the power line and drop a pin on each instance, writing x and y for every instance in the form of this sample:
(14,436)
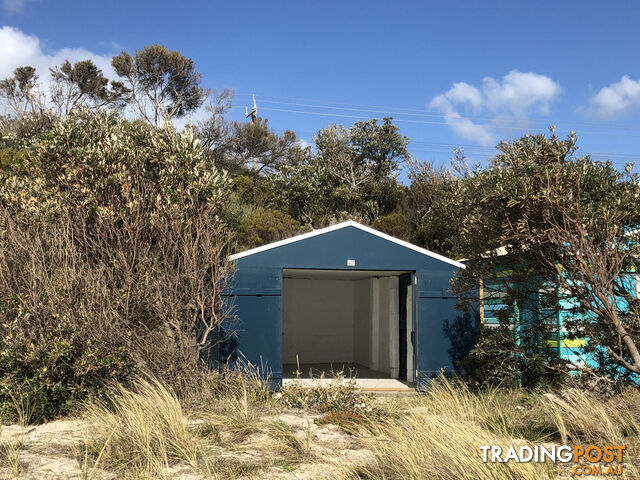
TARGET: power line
(484,152)
(422,113)
(433,147)
(513,126)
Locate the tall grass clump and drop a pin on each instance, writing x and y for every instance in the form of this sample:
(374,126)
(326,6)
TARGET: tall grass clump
(243,380)
(424,446)
(588,419)
(439,435)
(10,457)
(233,399)
(438,438)
(141,430)
(506,412)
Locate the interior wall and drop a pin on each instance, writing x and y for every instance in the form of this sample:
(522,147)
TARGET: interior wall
(362,321)
(318,317)
(384,326)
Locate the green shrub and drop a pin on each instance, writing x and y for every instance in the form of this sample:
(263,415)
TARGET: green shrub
(339,397)
(266,225)
(244,187)
(112,254)
(394,224)
(42,378)
(11,158)
(499,360)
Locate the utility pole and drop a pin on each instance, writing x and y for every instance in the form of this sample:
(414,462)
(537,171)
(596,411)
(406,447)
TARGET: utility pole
(253,113)
(254,119)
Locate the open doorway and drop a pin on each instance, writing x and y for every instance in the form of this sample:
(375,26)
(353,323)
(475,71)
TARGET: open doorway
(359,322)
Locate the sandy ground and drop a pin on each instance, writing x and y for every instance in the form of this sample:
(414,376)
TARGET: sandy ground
(53,451)
(46,451)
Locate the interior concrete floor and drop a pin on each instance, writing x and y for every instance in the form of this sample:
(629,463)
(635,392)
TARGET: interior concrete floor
(365,379)
(389,385)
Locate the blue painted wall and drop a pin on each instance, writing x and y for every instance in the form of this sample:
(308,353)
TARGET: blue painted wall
(256,294)
(571,350)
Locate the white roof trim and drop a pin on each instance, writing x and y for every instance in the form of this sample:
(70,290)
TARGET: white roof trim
(338,226)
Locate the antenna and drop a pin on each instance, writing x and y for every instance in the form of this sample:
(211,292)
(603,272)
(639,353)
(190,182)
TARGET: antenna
(254,111)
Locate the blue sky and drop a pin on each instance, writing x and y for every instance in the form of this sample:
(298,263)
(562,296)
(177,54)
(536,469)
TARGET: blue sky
(450,73)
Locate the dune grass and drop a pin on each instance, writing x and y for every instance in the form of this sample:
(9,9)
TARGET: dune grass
(145,432)
(142,430)
(10,457)
(439,434)
(581,417)
(425,446)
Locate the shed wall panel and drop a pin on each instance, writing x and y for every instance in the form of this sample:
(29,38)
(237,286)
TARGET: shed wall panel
(433,344)
(258,330)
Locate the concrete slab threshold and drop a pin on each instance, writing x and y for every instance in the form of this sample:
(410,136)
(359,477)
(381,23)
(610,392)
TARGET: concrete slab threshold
(327,374)
(365,384)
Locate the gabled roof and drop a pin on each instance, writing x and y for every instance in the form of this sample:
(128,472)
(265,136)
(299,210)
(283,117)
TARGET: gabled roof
(339,226)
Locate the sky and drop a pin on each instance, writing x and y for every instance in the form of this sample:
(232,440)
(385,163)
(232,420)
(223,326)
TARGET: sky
(451,74)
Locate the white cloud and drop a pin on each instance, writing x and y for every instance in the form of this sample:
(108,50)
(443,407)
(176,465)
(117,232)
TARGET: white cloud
(462,92)
(617,99)
(514,96)
(462,126)
(520,92)
(302,143)
(19,49)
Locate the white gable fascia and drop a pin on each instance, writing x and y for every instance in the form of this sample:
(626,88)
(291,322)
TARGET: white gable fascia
(338,226)
(287,241)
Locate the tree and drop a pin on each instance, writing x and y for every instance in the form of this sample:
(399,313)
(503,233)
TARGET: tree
(352,174)
(379,148)
(163,84)
(302,192)
(83,85)
(215,131)
(78,85)
(256,149)
(567,229)
(21,92)
(363,154)
(334,147)
(436,197)
(359,167)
